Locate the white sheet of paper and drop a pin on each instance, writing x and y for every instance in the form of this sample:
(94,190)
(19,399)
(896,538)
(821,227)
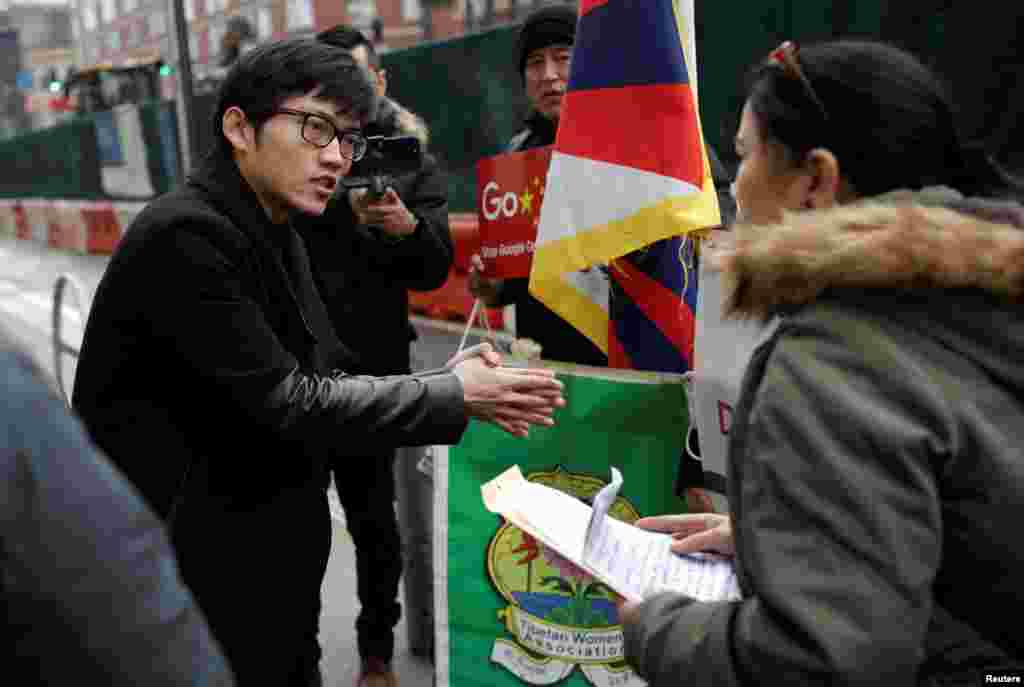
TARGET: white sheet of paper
(602,504)
(642,564)
(635,563)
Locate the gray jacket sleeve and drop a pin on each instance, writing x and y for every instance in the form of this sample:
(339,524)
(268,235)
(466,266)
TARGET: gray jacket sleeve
(837,519)
(88,576)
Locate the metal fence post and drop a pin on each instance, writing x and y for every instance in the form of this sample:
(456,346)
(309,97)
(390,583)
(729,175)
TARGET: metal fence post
(186,112)
(415,501)
(60,347)
(414,492)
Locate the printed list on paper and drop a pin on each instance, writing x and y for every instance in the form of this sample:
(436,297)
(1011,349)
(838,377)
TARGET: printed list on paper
(635,563)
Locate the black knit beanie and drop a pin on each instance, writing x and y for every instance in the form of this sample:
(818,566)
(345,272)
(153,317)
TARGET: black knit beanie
(546,26)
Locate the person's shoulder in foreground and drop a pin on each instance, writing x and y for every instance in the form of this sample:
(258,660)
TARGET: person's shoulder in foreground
(91,590)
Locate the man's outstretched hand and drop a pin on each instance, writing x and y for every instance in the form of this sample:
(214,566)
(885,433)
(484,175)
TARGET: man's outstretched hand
(512,398)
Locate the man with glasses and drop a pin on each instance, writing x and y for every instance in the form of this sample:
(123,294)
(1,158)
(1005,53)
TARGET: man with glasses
(211,375)
(366,253)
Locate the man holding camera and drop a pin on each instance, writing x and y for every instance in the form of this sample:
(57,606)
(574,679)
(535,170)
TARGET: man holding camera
(367,250)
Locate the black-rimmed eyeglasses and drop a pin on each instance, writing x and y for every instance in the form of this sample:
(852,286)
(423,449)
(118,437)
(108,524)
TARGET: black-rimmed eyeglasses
(320,131)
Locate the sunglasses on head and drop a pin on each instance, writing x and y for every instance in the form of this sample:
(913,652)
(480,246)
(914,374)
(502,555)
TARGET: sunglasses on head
(785,56)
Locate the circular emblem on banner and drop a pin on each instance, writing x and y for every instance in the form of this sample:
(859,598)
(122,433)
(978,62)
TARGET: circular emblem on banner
(558,616)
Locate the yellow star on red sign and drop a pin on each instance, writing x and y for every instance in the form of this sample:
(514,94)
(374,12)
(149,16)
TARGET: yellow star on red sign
(525,202)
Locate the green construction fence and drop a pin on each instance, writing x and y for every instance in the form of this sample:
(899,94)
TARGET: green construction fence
(470,94)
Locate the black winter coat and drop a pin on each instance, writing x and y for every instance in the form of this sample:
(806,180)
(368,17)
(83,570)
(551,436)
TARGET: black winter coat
(206,374)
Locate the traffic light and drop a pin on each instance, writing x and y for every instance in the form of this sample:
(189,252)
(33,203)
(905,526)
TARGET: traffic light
(165,70)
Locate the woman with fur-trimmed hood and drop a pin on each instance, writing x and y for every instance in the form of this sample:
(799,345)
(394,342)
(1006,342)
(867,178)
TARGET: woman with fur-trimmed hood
(876,458)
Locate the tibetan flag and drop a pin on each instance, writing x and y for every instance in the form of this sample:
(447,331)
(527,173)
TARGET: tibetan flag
(629,183)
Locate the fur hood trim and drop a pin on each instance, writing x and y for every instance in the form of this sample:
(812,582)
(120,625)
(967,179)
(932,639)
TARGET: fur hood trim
(903,240)
(395,117)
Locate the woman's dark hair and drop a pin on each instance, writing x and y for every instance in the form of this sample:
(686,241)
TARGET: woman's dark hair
(267,76)
(888,119)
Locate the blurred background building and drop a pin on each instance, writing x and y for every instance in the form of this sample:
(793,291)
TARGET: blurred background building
(41,40)
(121,30)
(36,50)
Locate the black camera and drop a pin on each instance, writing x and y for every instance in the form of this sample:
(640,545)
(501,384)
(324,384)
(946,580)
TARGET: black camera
(386,157)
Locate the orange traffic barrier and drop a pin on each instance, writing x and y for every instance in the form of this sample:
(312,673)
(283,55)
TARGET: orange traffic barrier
(68,230)
(8,225)
(21,228)
(102,228)
(37,217)
(126,214)
(453,301)
(465,229)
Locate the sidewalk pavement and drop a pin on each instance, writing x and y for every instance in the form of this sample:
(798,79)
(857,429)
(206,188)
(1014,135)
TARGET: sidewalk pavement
(337,621)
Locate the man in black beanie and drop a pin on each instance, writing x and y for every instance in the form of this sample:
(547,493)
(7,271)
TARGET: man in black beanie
(545,50)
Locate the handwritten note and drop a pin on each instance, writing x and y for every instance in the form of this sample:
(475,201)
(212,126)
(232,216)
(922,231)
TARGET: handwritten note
(635,563)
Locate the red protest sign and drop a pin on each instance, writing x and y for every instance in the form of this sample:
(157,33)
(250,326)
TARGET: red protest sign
(510,189)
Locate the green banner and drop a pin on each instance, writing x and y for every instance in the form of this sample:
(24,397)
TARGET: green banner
(508,611)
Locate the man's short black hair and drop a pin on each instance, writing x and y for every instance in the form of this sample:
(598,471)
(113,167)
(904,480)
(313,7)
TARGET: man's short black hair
(347,38)
(265,77)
